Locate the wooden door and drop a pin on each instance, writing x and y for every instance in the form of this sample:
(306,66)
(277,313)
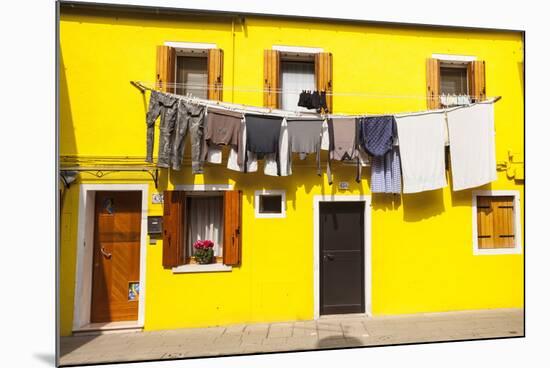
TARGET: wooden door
(117,233)
(342,257)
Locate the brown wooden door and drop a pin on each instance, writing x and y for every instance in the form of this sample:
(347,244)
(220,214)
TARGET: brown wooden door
(115,281)
(342,257)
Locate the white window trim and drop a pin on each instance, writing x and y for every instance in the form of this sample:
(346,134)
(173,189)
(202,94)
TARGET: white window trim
(517,223)
(454,58)
(196,268)
(297,49)
(191,45)
(257,195)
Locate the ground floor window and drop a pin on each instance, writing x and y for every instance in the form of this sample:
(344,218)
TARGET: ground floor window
(205,222)
(496,222)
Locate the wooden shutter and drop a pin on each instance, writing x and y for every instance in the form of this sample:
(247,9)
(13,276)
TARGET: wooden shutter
(232,227)
(272,78)
(166,68)
(476,80)
(215,74)
(495,222)
(323,75)
(173,239)
(504,222)
(433,83)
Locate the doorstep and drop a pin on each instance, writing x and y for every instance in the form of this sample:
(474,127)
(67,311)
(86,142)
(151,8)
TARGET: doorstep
(108,327)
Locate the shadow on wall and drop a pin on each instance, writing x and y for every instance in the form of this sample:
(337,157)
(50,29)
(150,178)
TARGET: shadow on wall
(423,205)
(67,139)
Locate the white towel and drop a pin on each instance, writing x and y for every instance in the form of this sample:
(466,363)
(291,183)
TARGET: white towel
(325,140)
(422,151)
(214,155)
(472,145)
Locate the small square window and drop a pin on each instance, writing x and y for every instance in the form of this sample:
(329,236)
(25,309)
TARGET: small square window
(270,204)
(496,223)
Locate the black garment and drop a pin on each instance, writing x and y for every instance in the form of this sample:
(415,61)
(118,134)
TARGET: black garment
(262,136)
(323,101)
(315,100)
(302,99)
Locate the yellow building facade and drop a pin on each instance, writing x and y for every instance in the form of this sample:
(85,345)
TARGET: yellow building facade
(420,254)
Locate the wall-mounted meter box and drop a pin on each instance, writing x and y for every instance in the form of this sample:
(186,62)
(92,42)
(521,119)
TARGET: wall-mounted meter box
(154,225)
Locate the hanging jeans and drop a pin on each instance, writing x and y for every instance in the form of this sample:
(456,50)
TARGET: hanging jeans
(190,119)
(166,107)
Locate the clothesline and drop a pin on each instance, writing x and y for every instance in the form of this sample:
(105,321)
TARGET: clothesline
(405,144)
(286,113)
(202,87)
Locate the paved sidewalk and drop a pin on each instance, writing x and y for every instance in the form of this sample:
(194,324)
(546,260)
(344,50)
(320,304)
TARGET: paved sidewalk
(327,332)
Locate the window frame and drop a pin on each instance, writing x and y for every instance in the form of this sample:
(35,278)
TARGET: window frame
(517,249)
(454,61)
(194,49)
(203,189)
(259,193)
(202,194)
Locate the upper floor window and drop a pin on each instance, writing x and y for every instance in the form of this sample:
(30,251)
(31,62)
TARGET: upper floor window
(296,75)
(454,80)
(192,73)
(288,70)
(188,67)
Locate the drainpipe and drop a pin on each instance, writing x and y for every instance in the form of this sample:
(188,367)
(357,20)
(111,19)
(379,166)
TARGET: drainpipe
(233,60)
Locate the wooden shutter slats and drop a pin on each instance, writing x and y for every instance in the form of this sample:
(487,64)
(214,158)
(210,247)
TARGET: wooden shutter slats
(215,74)
(166,68)
(323,75)
(495,222)
(232,227)
(433,83)
(174,229)
(476,80)
(272,63)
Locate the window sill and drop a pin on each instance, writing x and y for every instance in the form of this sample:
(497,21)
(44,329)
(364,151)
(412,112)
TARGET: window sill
(496,251)
(193,268)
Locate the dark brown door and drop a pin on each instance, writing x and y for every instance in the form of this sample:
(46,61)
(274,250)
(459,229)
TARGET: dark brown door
(342,267)
(115,282)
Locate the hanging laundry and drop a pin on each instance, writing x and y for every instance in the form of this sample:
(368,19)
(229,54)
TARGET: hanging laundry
(314,100)
(304,137)
(422,151)
(270,160)
(386,172)
(377,135)
(190,121)
(222,127)
(235,160)
(323,102)
(343,138)
(262,136)
(472,145)
(166,107)
(325,139)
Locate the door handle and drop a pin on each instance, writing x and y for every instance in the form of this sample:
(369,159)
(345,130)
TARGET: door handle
(330,257)
(105,254)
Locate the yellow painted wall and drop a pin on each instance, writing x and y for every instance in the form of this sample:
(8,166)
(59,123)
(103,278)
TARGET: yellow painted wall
(421,244)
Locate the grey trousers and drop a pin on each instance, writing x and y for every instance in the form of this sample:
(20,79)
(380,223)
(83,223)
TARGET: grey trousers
(190,120)
(166,107)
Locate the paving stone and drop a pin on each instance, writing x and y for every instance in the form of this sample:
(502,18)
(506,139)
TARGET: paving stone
(277,330)
(330,332)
